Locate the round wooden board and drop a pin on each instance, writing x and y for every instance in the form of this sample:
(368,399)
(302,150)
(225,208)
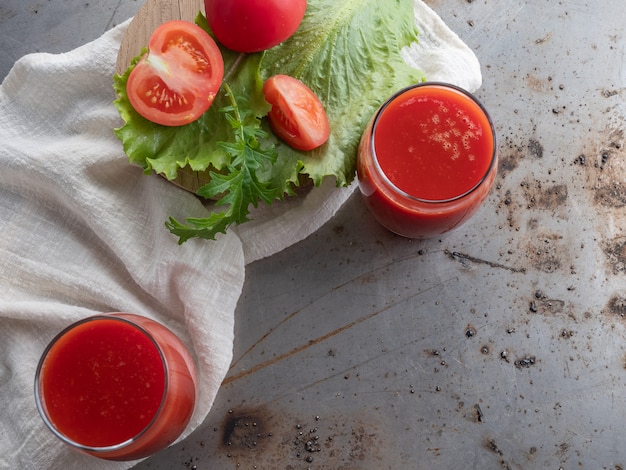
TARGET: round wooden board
(152,14)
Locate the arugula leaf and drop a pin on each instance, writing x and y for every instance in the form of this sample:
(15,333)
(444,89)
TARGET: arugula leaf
(239,184)
(347,52)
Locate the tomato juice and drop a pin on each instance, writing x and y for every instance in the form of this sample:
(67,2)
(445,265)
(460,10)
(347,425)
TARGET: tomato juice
(116,386)
(427,160)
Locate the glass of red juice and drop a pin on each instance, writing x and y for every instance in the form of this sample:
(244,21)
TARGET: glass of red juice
(116,386)
(427,160)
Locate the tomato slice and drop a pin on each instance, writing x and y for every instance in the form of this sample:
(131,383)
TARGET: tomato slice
(177,80)
(297,115)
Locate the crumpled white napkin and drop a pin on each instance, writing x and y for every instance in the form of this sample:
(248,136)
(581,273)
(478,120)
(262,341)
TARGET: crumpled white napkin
(81,230)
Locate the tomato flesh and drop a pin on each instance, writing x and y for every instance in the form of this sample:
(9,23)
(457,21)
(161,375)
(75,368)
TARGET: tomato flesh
(253,25)
(177,80)
(297,115)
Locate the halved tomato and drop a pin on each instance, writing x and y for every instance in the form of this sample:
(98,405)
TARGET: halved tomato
(177,80)
(297,116)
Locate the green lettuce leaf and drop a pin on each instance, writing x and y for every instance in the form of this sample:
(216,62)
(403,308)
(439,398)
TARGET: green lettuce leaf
(347,52)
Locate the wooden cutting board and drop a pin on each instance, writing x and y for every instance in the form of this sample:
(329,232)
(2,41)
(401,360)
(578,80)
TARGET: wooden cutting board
(152,14)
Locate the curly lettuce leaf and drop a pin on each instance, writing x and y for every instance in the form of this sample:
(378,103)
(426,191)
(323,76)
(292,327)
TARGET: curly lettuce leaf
(348,53)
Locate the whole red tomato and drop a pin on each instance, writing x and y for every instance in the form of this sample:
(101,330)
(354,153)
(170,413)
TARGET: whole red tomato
(253,25)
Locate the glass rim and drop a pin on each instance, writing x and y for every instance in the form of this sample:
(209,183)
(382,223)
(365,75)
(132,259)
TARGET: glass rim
(40,401)
(434,84)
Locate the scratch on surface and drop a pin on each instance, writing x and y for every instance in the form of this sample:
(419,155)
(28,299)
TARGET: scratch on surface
(495,21)
(310,343)
(465,258)
(271,330)
(334,289)
(546,38)
(302,347)
(110,23)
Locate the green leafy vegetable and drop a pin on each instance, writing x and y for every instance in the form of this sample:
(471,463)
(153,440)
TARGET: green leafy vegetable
(347,52)
(239,185)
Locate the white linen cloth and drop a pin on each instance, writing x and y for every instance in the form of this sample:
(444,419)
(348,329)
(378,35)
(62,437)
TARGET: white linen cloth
(82,231)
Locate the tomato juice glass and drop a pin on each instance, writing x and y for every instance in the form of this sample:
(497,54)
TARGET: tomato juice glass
(116,386)
(427,160)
